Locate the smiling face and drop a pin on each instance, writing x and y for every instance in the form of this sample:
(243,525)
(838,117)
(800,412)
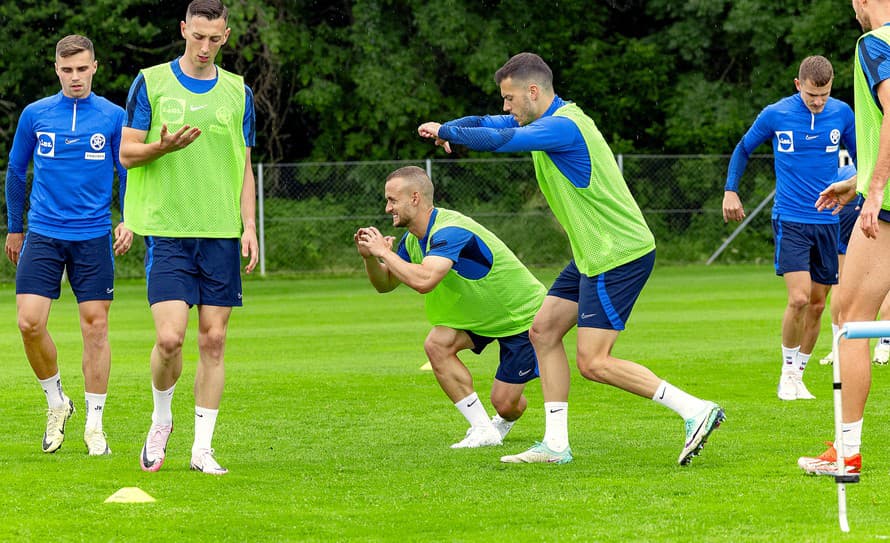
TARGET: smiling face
(203,39)
(76,74)
(814,97)
(401,202)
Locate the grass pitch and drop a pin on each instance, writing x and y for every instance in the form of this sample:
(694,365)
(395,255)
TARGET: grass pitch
(331,432)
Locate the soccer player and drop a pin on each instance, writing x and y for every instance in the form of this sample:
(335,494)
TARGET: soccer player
(187,142)
(613,249)
(476,291)
(806,130)
(866,279)
(73,138)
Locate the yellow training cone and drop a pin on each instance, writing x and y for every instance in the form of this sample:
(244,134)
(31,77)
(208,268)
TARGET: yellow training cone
(130,494)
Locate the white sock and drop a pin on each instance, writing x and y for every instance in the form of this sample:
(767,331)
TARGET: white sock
(473,410)
(163,401)
(789,358)
(95,407)
(501,424)
(834,330)
(852,437)
(802,360)
(556,428)
(52,387)
(684,404)
(205,424)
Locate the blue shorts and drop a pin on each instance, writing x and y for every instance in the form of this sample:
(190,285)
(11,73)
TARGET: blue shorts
(807,247)
(604,301)
(518,365)
(847,217)
(198,271)
(89,264)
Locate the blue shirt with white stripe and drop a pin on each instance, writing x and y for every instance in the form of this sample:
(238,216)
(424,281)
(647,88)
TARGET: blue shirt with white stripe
(805,153)
(74,143)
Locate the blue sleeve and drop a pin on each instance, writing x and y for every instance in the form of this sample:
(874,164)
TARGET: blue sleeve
(17,173)
(545,134)
(760,132)
(874,57)
(138,106)
(121,171)
(402,250)
(449,242)
(249,123)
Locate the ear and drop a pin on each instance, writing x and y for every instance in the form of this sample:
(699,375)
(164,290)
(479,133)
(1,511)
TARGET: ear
(182,28)
(534,91)
(797,83)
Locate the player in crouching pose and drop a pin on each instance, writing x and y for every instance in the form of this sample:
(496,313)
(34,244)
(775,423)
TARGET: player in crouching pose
(476,291)
(613,250)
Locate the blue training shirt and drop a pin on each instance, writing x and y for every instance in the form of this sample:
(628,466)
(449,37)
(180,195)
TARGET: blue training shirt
(805,151)
(874,57)
(471,256)
(74,143)
(139,108)
(559,137)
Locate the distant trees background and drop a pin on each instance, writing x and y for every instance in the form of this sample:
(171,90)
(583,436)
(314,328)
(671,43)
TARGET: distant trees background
(350,80)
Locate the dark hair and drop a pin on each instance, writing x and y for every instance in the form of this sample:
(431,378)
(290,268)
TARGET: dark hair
(817,70)
(209,9)
(526,67)
(73,44)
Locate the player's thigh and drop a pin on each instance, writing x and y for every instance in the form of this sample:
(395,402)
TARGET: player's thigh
(798,285)
(866,275)
(170,270)
(793,245)
(33,310)
(518,363)
(607,300)
(450,340)
(219,272)
(40,267)
(171,318)
(90,265)
(824,264)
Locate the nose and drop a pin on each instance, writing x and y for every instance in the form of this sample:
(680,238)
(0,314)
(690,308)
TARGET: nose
(506,106)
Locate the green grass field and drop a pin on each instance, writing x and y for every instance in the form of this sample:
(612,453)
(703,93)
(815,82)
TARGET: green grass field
(332,433)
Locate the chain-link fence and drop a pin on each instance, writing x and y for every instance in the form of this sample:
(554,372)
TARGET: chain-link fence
(308,212)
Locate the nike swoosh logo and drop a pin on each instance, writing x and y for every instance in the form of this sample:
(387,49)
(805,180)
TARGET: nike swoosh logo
(697,430)
(587,315)
(809,137)
(662,395)
(524,373)
(471,404)
(69,141)
(557,410)
(197,108)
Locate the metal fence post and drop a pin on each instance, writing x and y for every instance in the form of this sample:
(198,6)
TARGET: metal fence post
(262,222)
(429,168)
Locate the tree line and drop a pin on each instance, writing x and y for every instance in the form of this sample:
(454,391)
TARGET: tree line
(338,80)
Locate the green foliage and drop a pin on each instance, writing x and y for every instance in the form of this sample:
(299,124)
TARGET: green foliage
(351,80)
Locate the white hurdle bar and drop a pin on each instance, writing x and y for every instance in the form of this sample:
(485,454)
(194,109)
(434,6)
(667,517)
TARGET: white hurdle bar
(850,330)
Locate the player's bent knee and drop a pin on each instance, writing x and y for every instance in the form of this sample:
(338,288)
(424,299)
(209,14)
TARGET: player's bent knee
(594,368)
